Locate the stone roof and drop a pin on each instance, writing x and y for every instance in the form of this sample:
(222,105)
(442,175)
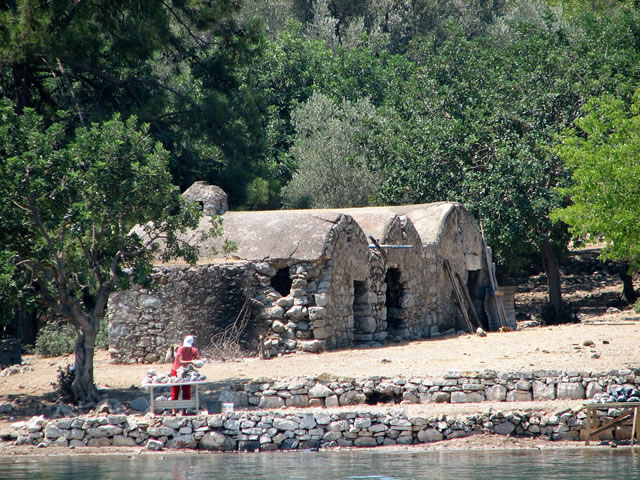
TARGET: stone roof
(427,218)
(302,235)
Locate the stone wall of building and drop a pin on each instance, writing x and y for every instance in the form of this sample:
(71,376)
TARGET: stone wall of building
(461,244)
(331,302)
(200,300)
(343,294)
(292,305)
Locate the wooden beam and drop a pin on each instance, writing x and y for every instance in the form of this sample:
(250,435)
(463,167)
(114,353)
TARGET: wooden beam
(458,295)
(472,308)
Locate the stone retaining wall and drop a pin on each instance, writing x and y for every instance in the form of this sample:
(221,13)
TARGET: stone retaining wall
(454,387)
(264,430)
(263,427)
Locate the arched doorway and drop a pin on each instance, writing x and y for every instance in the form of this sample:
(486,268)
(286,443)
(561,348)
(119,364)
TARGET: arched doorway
(363,321)
(393,302)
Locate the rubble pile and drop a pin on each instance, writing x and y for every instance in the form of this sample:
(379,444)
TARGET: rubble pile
(618,394)
(186,374)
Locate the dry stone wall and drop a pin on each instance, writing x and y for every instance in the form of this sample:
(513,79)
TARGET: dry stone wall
(277,430)
(454,387)
(200,300)
(262,422)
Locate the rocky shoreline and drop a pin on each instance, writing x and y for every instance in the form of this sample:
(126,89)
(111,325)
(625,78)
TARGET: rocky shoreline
(279,430)
(307,429)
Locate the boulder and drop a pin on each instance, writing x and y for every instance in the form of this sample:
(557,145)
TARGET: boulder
(216,441)
(430,435)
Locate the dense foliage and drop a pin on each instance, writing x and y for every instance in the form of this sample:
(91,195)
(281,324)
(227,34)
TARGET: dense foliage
(294,103)
(603,153)
(70,203)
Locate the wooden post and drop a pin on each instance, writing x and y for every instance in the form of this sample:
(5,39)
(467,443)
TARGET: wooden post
(502,316)
(467,295)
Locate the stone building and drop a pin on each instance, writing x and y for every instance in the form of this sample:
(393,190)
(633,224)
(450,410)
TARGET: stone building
(308,280)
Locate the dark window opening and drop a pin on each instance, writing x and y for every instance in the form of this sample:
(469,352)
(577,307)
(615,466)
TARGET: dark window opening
(374,398)
(477,295)
(394,299)
(472,282)
(281,282)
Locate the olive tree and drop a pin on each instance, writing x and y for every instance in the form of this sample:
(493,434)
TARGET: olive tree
(329,154)
(70,201)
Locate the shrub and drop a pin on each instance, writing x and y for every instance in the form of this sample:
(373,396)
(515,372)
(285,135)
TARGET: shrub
(55,339)
(636,306)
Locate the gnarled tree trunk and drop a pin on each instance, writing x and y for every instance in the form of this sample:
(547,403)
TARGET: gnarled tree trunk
(83,386)
(628,292)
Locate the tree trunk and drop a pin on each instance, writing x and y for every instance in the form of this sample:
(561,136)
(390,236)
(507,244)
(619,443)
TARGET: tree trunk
(83,387)
(552,269)
(22,86)
(628,292)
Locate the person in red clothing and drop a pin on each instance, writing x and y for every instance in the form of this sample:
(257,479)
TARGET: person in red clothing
(187,354)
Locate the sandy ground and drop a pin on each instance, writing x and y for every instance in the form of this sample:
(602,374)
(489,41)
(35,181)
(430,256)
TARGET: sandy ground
(539,348)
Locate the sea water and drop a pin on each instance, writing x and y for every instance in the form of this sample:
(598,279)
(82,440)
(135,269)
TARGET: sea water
(574,464)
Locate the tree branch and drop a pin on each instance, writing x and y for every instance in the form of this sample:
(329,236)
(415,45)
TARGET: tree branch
(198,41)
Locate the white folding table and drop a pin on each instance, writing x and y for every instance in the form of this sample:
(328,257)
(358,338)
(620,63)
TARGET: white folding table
(173,404)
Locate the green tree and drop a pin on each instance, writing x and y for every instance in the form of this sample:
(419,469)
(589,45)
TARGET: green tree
(67,214)
(292,69)
(175,64)
(476,124)
(603,152)
(329,153)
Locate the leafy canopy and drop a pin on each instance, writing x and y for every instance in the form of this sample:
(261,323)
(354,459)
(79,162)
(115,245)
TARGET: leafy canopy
(69,205)
(176,65)
(603,153)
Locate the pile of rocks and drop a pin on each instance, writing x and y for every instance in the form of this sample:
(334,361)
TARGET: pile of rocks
(618,393)
(184,374)
(23,367)
(278,430)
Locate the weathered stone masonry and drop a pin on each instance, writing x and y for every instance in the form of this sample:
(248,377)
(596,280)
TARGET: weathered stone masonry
(312,281)
(279,430)
(263,423)
(455,387)
(200,299)
(275,430)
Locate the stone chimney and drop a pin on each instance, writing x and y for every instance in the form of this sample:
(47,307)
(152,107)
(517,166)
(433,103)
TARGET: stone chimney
(211,197)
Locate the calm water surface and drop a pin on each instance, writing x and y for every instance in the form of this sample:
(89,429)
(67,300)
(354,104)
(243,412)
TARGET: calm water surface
(619,464)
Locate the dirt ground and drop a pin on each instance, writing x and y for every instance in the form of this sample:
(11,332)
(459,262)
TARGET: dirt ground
(540,348)
(603,340)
